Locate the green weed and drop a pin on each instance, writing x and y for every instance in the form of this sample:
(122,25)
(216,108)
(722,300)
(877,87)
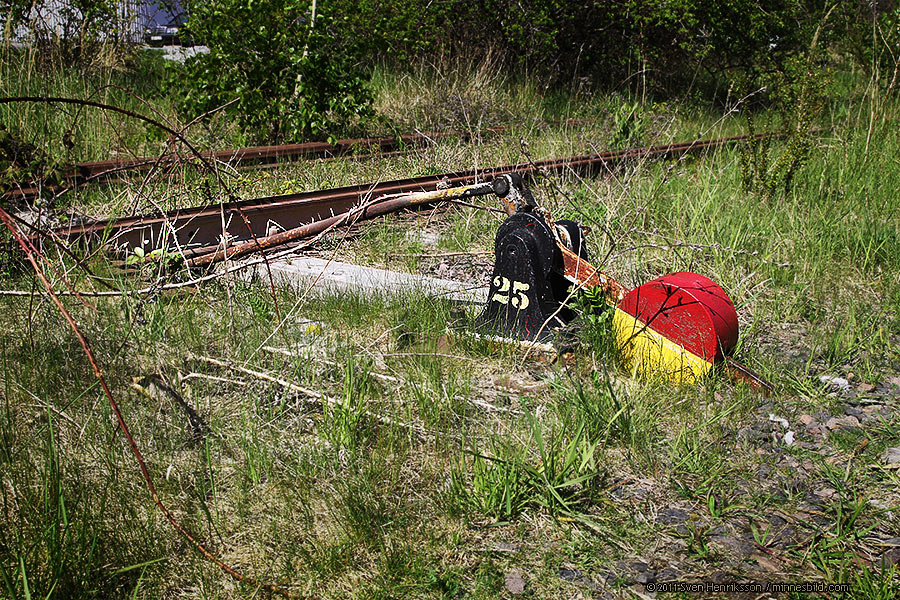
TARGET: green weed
(556,471)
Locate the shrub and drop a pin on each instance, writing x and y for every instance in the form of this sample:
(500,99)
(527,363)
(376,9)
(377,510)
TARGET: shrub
(293,75)
(70,33)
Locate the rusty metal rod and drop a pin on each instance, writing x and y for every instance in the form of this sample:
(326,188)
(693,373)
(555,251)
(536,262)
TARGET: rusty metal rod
(371,210)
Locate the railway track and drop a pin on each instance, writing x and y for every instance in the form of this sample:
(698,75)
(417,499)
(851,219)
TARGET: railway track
(112,170)
(200,230)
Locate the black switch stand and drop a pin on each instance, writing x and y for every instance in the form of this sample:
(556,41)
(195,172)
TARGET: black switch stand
(527,294)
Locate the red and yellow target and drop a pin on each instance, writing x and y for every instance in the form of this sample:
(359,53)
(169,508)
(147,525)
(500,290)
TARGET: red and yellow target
(675,327)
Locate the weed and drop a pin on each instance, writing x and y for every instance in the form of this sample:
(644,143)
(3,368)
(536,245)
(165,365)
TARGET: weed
(876,583)
(628,125)
(607,413)
(716,504)
(557,472)
(695,537)
(596,321)
(365,504)
(761,536)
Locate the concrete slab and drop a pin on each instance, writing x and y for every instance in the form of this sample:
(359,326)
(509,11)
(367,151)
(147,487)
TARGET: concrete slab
(332,276)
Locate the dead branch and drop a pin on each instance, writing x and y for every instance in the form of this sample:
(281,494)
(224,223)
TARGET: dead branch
(330,363)
(309,396)
(155,289)
(442,254)
(155,387)
(193,375)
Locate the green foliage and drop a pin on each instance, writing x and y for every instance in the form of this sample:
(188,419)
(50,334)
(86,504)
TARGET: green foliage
(23,162)
(668,43)
(556,471)
(292,74)
(343,424)
(73,33)
(656,45)
(872,38)
(608,417)
(628,125)
(148,261)
(798,92)
(596,321)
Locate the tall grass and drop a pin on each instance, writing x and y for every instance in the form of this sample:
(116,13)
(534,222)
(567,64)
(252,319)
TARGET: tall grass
(72,134)
(553,467)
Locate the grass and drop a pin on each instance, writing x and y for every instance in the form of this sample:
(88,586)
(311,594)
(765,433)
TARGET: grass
(437,466)
(123,81)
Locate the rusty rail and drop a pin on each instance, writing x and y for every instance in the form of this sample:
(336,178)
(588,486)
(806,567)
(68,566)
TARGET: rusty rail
(203,228)
(110,170)
(376,208)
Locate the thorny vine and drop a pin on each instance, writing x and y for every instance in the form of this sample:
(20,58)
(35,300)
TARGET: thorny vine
(34,256)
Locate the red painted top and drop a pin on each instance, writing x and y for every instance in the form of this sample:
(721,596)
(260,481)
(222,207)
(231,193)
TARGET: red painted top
(688,309)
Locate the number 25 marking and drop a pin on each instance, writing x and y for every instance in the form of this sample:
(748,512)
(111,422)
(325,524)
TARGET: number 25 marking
(519,300)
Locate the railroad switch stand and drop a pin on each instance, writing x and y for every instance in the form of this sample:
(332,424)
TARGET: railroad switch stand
(675,327)
(528,293)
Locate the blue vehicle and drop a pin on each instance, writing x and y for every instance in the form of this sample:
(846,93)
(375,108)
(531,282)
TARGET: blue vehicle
(164,23)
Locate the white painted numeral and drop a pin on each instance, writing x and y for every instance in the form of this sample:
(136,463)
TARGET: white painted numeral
(520,300)
(502,295)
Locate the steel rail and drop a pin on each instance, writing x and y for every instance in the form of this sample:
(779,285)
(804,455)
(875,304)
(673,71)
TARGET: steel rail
(110,170)
(203,226)
(376,208)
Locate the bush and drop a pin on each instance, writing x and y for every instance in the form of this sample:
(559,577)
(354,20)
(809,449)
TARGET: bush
(673,44)
(293,75)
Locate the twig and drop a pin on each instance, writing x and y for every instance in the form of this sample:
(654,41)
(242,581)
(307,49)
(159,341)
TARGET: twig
(193,375)
(68,251)
(386,378)
(149,386)
(435,354)
(330,363)
(155,289)
(493,408)
(771,552)
(678,244)
(311,396)
(265,260)
(442,254)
